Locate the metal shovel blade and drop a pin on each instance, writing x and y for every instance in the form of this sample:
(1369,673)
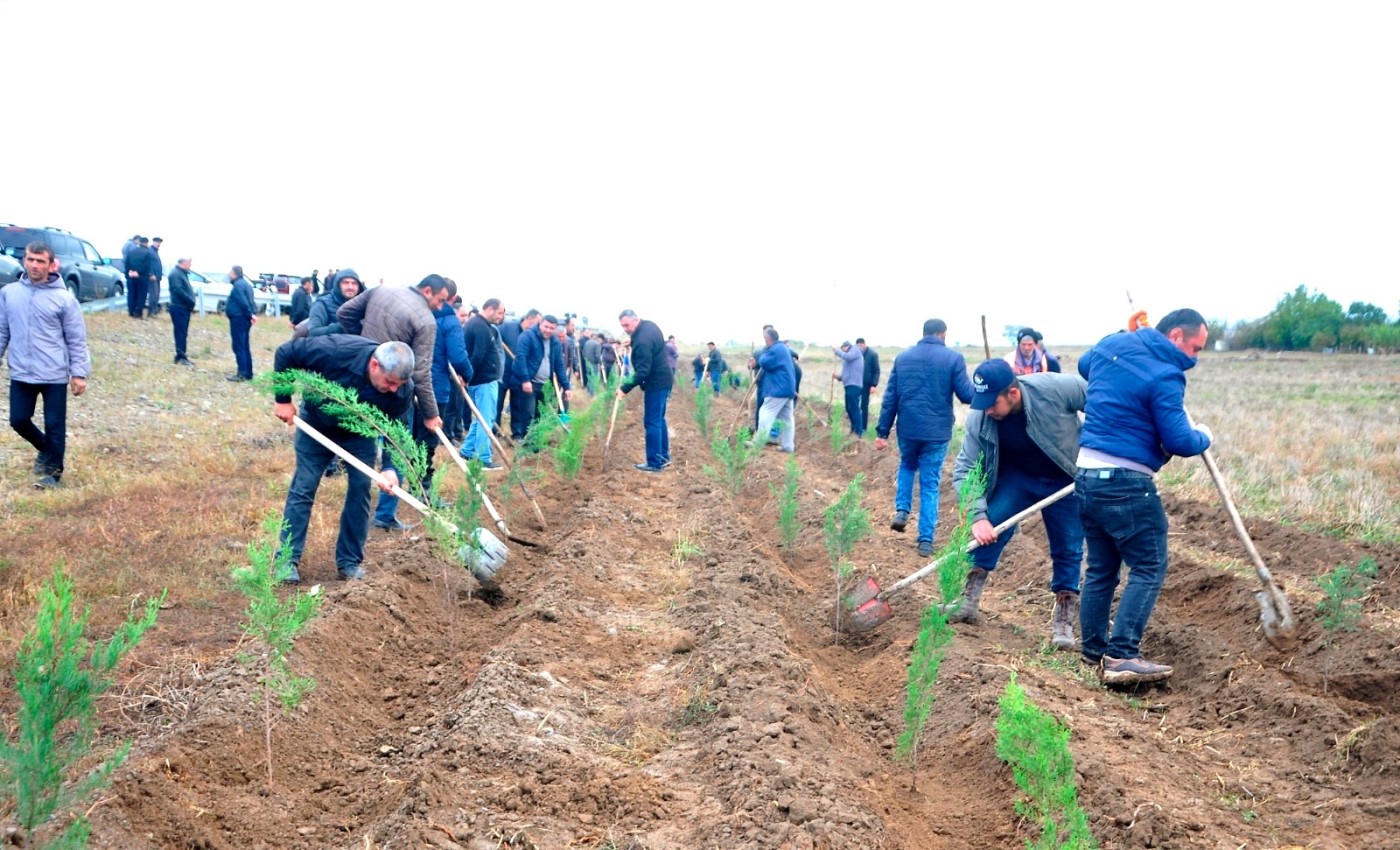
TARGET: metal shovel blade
(1276,616)
(865,610)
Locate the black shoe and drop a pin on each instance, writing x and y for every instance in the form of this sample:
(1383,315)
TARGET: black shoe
(238,378)
(183,361)
(925,548)
(394,525)
(642,467)
(41,464)
(355,573)
(900,519)
(48,482)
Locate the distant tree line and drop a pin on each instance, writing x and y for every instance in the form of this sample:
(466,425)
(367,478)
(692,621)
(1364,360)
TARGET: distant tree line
(1310,321)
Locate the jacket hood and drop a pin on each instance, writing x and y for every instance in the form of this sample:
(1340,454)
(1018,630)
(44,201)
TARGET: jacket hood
(444,311)
(337,297)
(1162,349)
(50,281)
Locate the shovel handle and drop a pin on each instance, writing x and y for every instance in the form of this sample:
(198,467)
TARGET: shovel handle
(1265,576)
(1042,504)
(612,421)
(485,499)
(374,475)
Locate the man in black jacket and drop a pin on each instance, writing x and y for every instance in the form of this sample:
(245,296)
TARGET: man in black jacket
(301,303)
(872,379)
(381,375)
(510,337)
(181,305)
(153,282)
(651,370)
(488,367)
(139,267)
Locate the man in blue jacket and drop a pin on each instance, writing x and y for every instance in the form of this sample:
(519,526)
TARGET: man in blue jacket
(449,347)
(510,339)
(241,310)
(538,359)
(919,394)
(41,326)
(777,384)
(1134,422)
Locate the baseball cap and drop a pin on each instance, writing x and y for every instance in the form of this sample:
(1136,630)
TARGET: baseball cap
(989,381)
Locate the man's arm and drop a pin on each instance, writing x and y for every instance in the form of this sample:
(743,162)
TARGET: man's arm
(962,384)
(1173,425)
(424,340)
(75,337)
(968,456)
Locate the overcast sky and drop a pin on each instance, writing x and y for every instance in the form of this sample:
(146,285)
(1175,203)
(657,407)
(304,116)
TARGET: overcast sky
(835,169)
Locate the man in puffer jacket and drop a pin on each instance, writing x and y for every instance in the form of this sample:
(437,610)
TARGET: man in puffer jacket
(449,348)
(42,328)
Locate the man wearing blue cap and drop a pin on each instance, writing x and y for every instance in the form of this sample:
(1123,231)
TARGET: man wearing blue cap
(1026,433)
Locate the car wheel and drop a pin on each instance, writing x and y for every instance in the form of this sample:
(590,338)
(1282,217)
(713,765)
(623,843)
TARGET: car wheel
(73,288)
(118,290)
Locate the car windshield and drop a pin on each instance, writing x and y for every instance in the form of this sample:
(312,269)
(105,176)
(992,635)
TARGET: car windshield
(13,239)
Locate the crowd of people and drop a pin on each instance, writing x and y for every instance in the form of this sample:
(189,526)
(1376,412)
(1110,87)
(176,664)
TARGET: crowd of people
(444,367)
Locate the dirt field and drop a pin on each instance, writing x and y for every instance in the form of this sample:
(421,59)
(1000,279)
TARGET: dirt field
(612,697)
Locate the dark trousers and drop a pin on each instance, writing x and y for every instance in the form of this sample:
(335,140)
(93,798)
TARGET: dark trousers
(853,413)
(388,506)
(153,296)
(312,458)
(1014,493)
(52,441)
(240,328)
(135,297)
(865,408)
(522,411)
(180,319)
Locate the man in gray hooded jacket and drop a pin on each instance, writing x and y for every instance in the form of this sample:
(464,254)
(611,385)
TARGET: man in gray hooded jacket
(1025,431)
(42,328)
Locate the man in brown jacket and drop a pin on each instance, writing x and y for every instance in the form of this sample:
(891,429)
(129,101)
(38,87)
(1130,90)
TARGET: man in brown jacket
(403,314)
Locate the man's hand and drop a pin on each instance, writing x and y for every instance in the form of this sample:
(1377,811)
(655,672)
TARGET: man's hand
(133,274)
(984,532)
(284,411)
(433,424)
(620,393)
(568,395)
(391,480)
(1205,429)
(253,319)
(78,386)
(527,387)
(881,443)
(871,389)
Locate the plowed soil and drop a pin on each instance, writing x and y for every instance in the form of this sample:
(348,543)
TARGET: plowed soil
(614,695)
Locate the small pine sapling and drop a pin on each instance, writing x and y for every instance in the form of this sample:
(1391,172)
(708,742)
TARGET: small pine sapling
(840,437)
(685,549)
(935,633)
(568,455)
(844,524)
(1339,610)
(788,523)
(275,622)
(732,458)
(702,413)
(58,677)
(1036,746)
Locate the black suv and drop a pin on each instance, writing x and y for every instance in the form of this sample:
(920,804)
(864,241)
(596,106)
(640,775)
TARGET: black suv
(86,273)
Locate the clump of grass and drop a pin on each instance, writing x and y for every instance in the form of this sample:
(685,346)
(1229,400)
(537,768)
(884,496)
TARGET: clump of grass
(699,706)
(1036,746)
(845,523)
(58,677)
(275,622)
(732,459)
(685,549)
(935,633)
(1339,610)
(788,523)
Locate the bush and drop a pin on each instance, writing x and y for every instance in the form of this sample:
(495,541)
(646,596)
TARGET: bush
(1036,746)
(788,523)
(1339,610)
(732,459)
(58,677)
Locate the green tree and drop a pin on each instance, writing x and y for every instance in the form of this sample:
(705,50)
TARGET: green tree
(1365,313)
(58,677)
(1303,320)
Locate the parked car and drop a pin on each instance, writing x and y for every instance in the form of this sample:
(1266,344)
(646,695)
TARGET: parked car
(10,269)
(86,273)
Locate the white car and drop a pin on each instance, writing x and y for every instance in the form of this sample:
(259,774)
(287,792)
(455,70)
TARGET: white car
(211,292)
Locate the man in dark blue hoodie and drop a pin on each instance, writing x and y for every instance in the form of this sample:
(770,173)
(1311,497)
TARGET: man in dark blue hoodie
(538,360)
(1134,422)
(919,394)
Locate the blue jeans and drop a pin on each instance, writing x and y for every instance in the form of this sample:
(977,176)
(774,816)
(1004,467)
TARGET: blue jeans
(312,458)
(52,442)
(478,442)
(853,410)
(1123,524)
(924,457)
(1016,492)
(654,423)
(239,328)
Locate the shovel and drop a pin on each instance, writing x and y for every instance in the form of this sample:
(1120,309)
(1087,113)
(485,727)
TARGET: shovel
(1275,614)
(483,568)
(485,499)
(490,435)
(867,603)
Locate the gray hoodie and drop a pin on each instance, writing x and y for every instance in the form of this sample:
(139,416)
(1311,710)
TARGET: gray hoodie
(42,327)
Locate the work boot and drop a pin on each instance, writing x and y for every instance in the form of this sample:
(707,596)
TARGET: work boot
(41,464)
(1133,671)
(293,575)
(900,519)
(1062,624)
(968,612)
